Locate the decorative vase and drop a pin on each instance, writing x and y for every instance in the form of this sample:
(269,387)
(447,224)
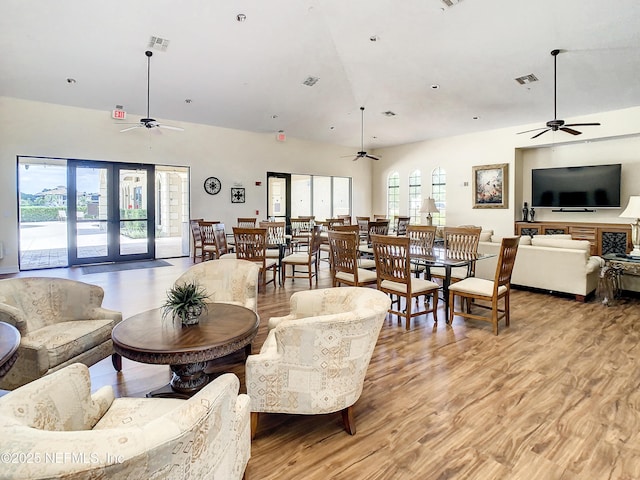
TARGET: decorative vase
(525,212)
(192,315)
(532,214)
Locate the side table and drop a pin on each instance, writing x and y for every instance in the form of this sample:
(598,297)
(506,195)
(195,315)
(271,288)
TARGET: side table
(609,285)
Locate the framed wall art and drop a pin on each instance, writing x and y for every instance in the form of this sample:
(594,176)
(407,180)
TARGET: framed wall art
(237,195)
(490,186)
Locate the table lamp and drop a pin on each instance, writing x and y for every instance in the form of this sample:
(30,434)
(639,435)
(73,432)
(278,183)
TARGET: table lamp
(633,211)
(429,207)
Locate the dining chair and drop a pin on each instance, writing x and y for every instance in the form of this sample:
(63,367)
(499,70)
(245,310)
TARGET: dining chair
(422,237)
(307,260)
(220,237)
(363,226)
(400,225)
(251,245)
(325,226)
(380,217)
(196,238)
(346,219)
(209,251)
(377,227)
(344,260)
(459,242)
(300,231)
(393,267)
(246,222)
(276,239)
(472,289)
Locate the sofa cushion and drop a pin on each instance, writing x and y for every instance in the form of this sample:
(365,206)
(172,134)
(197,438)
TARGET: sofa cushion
(485,235)
(66,340)
(553,241)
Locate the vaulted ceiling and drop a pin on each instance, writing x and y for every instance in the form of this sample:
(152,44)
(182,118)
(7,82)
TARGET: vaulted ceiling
(385,55)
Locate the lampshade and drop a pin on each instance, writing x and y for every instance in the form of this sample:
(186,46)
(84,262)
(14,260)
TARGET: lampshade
(429,206)
(633,208)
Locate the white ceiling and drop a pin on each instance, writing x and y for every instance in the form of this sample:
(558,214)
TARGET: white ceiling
(241,75)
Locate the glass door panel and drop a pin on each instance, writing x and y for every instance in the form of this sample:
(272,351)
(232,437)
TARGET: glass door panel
(133,211)
(277,206)
(88,224)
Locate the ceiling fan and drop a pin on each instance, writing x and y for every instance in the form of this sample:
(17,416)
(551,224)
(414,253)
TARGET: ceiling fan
(362,153)
(555,124)
(149,122)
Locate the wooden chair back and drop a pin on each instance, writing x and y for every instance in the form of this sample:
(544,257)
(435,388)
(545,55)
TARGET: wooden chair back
(197,237)
(392,259)
(401,224)
(346,219)
(250,244)
(380,217)
(378,227)
(506,260)
(247,222)
(346,228)
(276,232)
(208,240)
(220,239)
(422,235)
(459,242)
(343,246)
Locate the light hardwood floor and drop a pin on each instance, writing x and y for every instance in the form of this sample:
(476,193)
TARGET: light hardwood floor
(554,396)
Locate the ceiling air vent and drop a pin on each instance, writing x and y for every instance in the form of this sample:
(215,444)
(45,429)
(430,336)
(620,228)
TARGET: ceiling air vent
(527,79)
(451,3)
(158,43)
(310,81)
(389,113)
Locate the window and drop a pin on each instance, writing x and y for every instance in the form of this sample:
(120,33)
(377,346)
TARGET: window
(439,193)
(415,197)
(393,196)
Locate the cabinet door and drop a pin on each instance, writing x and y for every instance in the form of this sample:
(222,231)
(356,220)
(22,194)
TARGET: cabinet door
(614,240)
(555,230)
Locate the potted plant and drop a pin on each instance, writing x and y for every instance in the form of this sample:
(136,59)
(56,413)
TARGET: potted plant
(185,301)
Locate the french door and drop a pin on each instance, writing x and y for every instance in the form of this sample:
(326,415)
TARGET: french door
(110,212)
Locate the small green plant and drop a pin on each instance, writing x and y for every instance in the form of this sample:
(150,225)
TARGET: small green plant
(185,301)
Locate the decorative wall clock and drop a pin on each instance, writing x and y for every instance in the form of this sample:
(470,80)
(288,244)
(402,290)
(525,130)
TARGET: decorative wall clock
(237,195)
(212,185)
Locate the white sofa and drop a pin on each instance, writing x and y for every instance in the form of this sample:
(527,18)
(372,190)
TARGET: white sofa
(554,263)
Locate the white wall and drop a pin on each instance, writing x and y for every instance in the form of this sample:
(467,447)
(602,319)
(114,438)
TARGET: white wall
(617,140)
(39,129)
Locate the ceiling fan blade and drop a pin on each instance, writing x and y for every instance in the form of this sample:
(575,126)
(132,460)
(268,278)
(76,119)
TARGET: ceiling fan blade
(570,130)
(170,127)
(537,135)
(582,125)
(131,128)
(534,130)
(372,157)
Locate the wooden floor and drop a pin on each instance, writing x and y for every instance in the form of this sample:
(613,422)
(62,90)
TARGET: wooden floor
(554,396)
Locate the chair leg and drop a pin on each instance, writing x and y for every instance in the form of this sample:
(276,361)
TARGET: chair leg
(349,420)
(116,360)
(254,424)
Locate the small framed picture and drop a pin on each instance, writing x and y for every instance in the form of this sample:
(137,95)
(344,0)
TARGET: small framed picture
(490,186)
(237,195)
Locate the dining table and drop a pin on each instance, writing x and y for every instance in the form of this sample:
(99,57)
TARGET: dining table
(440,257)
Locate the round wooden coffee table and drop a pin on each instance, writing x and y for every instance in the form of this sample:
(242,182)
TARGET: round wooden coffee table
(149,338)
(9,343)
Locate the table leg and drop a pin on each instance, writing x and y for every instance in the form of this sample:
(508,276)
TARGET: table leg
(445,290)
(189,377)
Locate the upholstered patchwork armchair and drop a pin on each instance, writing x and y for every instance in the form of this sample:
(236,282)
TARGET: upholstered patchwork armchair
(60,321)
(55,428)
(226,280)
(315,359)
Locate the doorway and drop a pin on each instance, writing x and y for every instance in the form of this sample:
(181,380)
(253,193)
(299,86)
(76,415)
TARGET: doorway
(78,212)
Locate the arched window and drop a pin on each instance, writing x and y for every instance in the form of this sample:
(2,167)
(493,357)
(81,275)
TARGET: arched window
(439,194)
(393,196)
(415,196)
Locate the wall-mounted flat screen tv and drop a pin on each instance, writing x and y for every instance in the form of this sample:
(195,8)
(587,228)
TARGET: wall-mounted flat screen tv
(576,187)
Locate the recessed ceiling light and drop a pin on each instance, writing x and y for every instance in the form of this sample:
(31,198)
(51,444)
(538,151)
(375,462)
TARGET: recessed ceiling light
(71,80)
(241,17)
(274,116)
(374,38)
(435,86)
(476,117)
(188,100)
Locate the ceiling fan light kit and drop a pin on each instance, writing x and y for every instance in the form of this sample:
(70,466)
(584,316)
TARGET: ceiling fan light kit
(556,124)
(149,122)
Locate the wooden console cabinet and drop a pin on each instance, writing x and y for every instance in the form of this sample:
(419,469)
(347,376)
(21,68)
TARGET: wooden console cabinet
(604,237)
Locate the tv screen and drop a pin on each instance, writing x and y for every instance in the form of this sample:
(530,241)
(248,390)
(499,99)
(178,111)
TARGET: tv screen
(576,187)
